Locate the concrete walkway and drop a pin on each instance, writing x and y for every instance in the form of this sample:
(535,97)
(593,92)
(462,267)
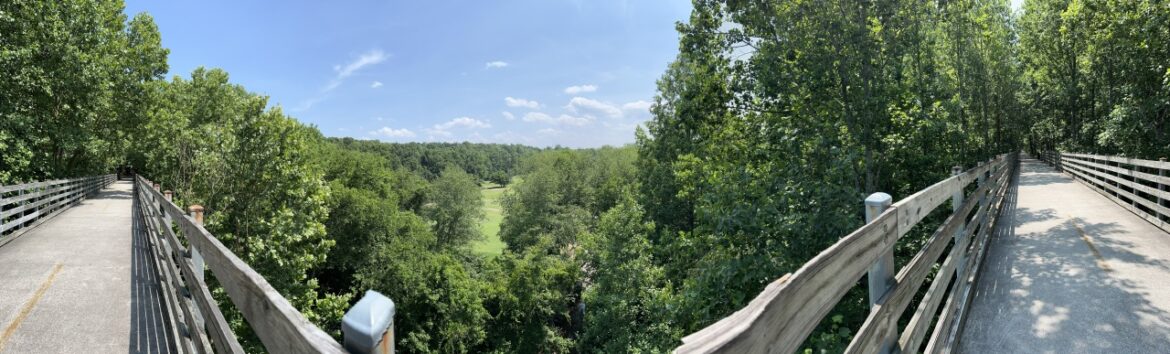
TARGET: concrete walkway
(1070,272)
(82,283)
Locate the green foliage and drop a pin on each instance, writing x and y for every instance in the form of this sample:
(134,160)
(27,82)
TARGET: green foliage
(1097,75)
(778,118)
(628,305)
(75,76)
(772,124)
(531,297)
(562,194)
(455,206)
(487,162)
(252,169)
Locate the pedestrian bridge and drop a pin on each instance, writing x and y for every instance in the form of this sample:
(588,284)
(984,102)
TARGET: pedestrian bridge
(1071,255)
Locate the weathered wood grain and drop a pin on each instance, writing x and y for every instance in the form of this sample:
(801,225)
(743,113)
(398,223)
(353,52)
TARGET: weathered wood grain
(884,316)
(1088,167)
(779,319)
(782,316)
(1164,165)
(166,274)
(1103,177)
(917,206)
(279,325)
(1148,177)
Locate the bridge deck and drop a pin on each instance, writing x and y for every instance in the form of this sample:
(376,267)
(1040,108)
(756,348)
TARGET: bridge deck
(1072,273)
(82,283)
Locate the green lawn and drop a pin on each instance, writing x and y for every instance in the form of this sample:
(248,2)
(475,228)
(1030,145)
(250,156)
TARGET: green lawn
(493,213)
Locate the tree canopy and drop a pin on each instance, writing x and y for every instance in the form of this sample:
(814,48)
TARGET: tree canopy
(768,129)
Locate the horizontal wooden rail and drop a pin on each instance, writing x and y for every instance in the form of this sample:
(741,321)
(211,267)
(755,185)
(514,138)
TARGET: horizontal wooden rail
(1140,186)
(281,328)
(25,206)
(780,318)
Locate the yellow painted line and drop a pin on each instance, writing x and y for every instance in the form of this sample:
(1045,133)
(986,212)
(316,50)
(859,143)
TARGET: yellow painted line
(28,306)
(1093,248)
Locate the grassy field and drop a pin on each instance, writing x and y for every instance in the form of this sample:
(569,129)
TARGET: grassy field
(490,245)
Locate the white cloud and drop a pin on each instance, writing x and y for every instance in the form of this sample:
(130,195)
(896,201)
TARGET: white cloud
(573,120)
(369,58)
(565,119)
(496,64)
(443,130)
(393,133)
(520,102)
(537,117)
(466,122)
(578,103)
(573,90)
(376,84)
(372,57)
(638,105)
(548,131)
(508,115)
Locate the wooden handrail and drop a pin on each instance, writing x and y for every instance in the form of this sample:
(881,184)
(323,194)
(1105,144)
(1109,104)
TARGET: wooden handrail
(780,318)
(1122,180)
(281,328)
(24,206)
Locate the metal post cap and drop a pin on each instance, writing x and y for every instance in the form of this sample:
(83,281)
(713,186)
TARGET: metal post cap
(365,323)
(878,199)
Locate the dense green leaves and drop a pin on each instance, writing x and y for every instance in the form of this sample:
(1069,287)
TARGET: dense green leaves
(1098,75)
(455,208)
(74,79)
(775,120)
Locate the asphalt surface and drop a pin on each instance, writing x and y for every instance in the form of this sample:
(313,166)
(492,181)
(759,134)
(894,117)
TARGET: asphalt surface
(1071,272)
(82,283)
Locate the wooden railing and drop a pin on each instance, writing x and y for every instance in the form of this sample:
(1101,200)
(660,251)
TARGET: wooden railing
(24,206)
(1141,186)
(780,318)
(180,257)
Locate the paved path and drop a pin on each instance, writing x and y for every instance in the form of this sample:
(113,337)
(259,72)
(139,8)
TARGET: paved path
(1071,273)
(80,283)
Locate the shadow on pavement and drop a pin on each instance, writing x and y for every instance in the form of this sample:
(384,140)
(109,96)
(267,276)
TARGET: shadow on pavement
(1049,289)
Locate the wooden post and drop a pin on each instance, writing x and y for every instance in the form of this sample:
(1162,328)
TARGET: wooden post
(1059,161)
(881,273)
(196,258)
(1133,178)
(956,204)
(1162,187)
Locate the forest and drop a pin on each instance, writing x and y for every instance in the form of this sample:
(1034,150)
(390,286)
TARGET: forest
(771,125)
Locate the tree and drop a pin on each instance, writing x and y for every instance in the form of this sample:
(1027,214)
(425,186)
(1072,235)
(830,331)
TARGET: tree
(627,309)
(455,207)
(75,75)
(253,170)
(531,297)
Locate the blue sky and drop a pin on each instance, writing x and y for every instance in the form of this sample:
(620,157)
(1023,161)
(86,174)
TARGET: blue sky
(573,73)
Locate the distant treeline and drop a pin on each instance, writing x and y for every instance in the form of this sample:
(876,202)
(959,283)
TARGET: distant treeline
(488,162)
(769,128)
